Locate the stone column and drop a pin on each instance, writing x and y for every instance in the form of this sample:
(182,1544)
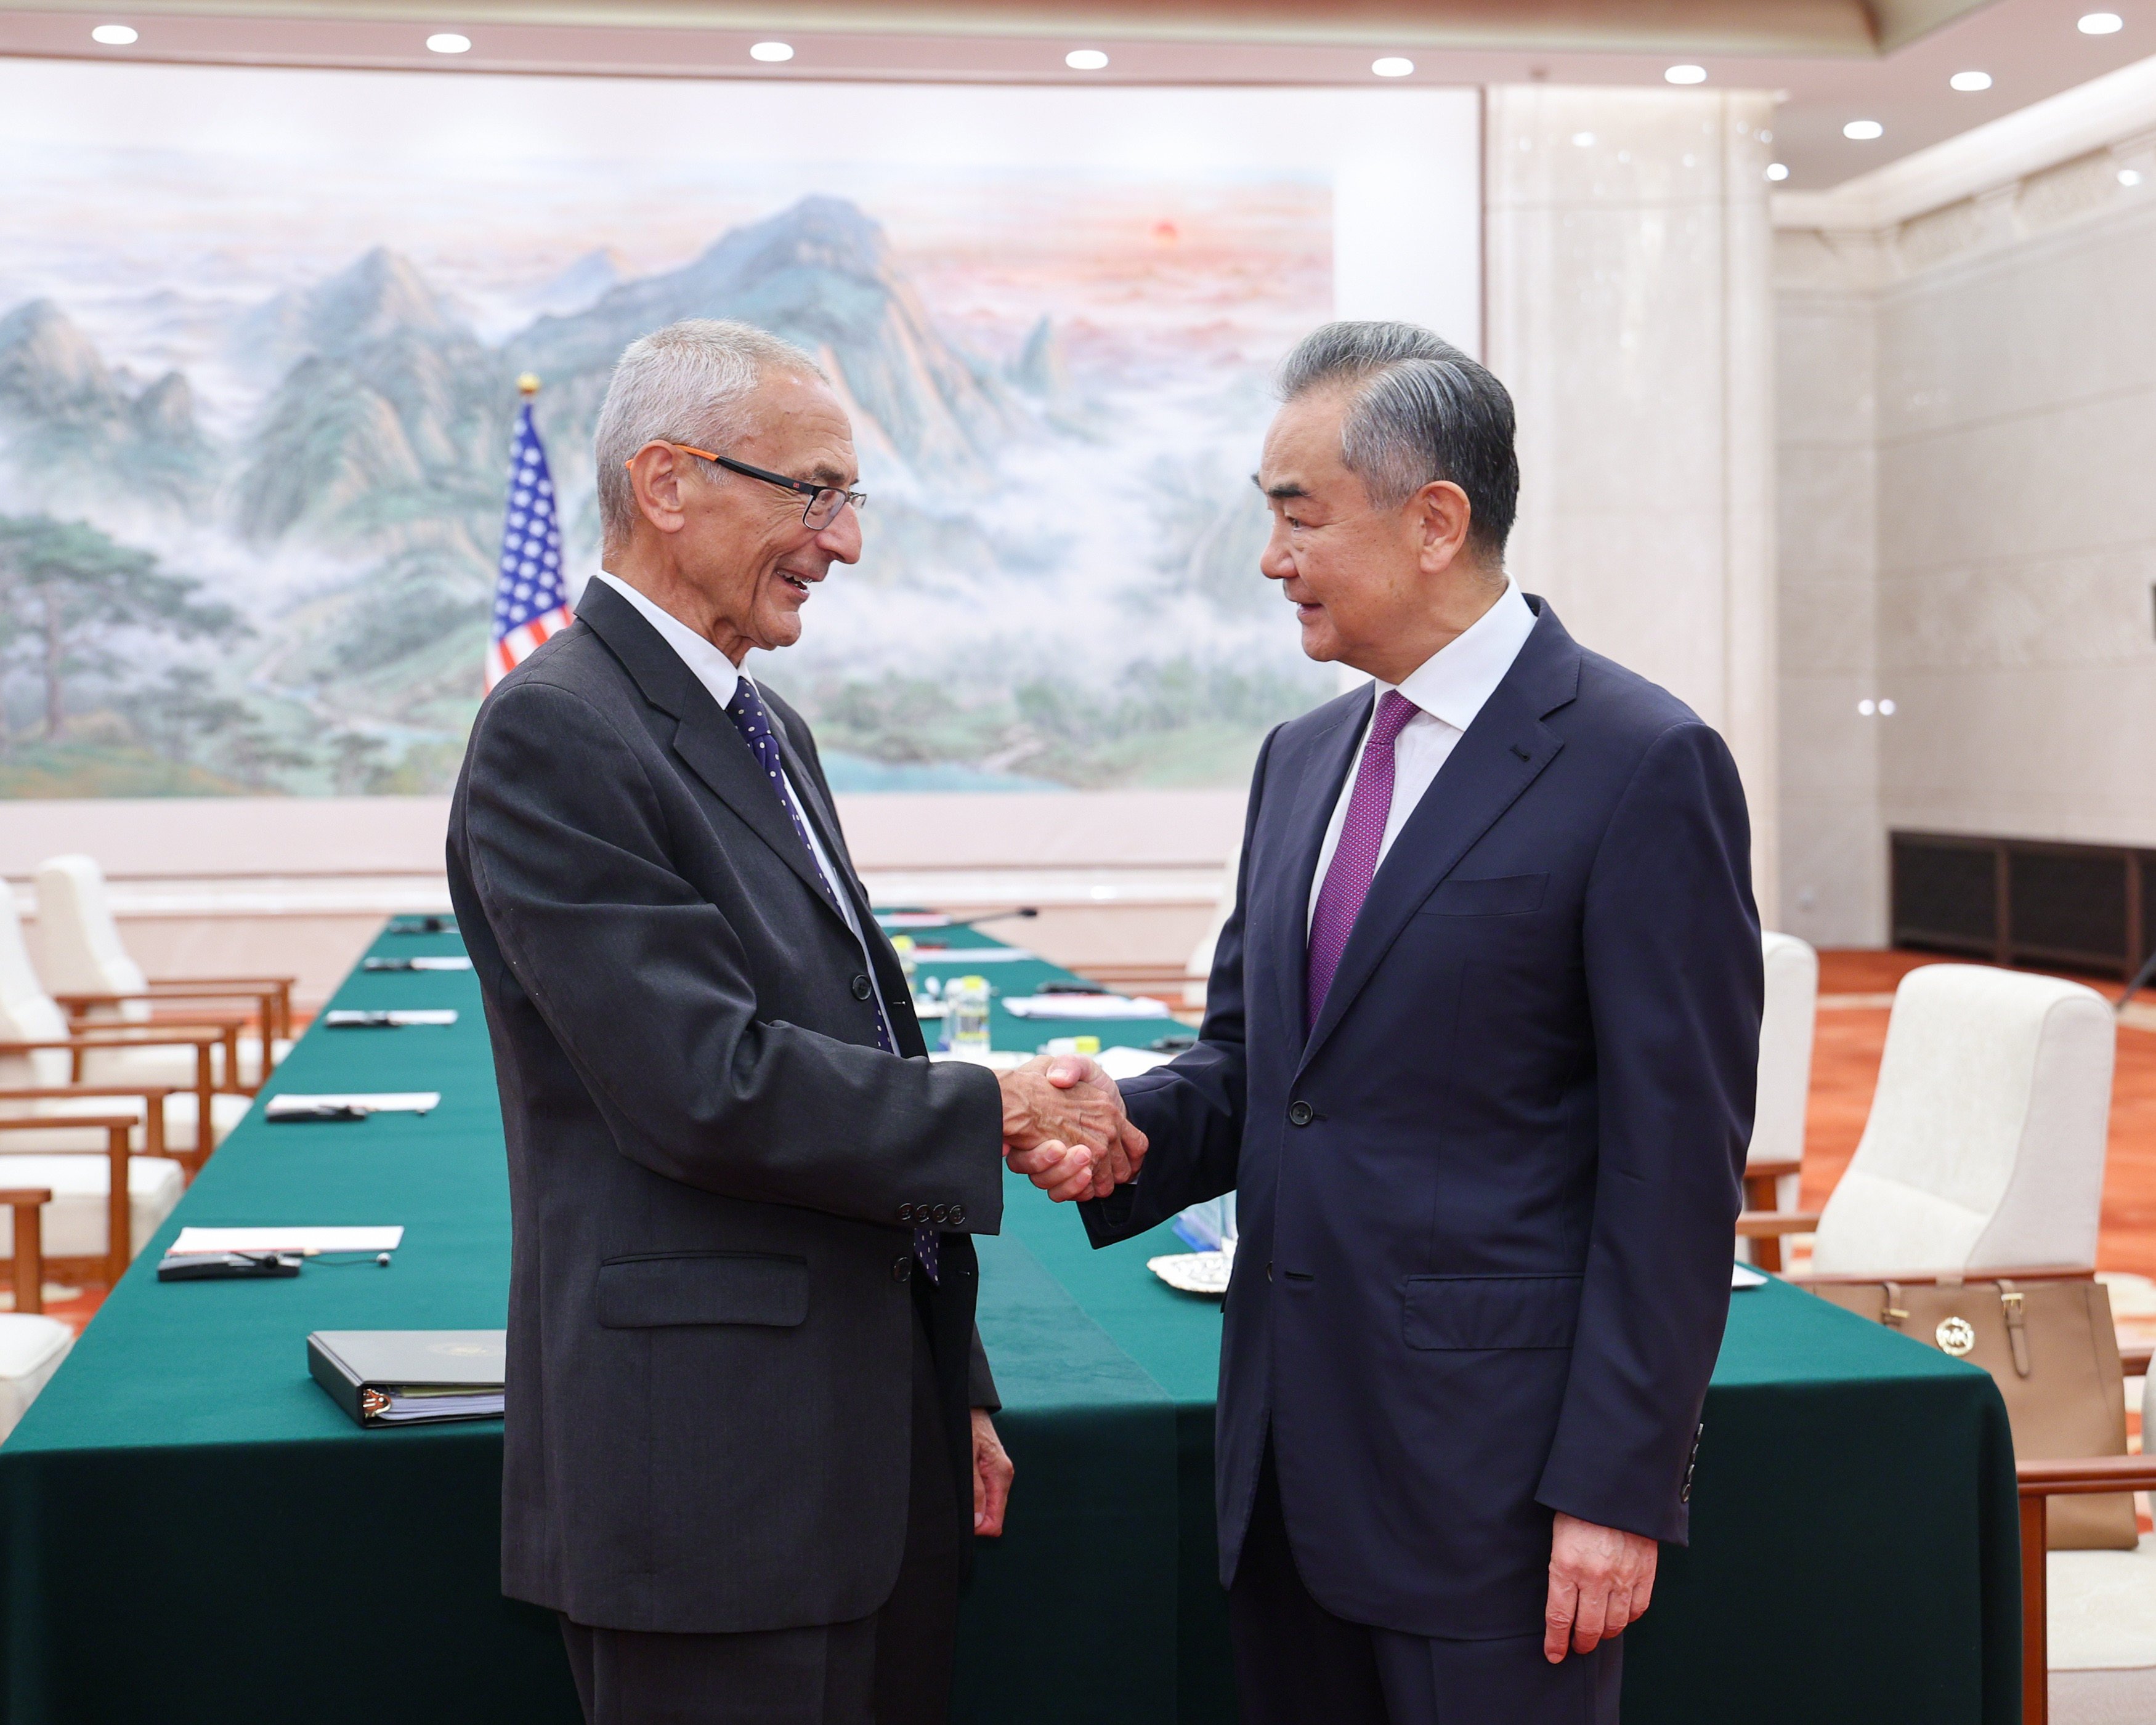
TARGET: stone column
(1627,253)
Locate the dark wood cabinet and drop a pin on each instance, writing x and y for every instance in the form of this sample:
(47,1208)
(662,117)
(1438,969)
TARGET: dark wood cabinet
(2024,901)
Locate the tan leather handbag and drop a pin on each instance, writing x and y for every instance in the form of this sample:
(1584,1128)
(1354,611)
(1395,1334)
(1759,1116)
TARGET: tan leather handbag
(2051,1348)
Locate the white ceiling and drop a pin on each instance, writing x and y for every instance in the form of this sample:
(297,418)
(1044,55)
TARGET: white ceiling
(2031,48)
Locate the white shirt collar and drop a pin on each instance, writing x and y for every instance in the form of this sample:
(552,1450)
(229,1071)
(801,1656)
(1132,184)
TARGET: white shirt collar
(1454,682)
(712,668)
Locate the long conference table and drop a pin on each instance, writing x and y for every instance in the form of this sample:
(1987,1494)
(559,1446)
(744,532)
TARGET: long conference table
(190,1530)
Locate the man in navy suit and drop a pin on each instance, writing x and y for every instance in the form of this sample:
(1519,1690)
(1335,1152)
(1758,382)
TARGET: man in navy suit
(1478,1061)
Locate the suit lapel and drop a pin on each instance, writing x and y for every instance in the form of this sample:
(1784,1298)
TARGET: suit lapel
(1316,779)
(704,737)
(1499,756)
(883,957)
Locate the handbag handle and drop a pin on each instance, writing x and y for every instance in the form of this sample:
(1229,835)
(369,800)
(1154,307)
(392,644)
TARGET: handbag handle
(2017,1328)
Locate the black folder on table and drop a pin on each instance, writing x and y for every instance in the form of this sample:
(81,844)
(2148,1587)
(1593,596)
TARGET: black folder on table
(410,1377)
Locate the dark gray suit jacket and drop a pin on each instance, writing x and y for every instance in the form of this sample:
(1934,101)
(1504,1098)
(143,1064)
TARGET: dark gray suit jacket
(712,1166)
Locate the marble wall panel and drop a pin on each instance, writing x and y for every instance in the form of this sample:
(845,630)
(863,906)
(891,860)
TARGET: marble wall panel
(1828,513)
(2075,475)
(2058,318)
(2038,751)
(1630,311)
(2075,610)
(1825,378)
(1833,841)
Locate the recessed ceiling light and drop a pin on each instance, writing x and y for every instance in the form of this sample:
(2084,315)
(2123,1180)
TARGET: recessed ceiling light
(1778,171)
(770,52)
(113,35)
(2129,176)
(1686,74)
(1085,60)
(448,42)
(1864,130)
(1970,80)
(1392,65)
(2101,23)
(1585,140)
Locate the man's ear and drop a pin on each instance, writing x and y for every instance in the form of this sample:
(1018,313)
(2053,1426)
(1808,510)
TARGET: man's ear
(1445,516)
(657,473)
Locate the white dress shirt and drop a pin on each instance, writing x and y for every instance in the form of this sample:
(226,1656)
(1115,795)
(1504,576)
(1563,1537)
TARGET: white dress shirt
(1449,688)
(724,678)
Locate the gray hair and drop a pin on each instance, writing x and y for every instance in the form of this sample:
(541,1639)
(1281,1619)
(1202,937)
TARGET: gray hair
(1420,410)
(688,381)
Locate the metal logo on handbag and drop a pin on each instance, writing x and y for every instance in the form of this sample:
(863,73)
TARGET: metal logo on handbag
(2050,1347)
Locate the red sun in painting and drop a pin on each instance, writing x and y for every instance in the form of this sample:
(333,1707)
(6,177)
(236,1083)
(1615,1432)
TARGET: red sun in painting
(1165,233)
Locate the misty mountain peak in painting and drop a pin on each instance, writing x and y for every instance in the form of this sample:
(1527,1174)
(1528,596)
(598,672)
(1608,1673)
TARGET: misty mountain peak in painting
(306,386)
(382,293)
(64,413)
(820,274)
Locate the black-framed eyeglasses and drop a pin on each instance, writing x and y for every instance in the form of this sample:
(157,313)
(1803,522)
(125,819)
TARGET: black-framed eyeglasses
(824,501)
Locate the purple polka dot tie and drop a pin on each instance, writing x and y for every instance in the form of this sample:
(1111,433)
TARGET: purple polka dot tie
(752,719)
(1355,862)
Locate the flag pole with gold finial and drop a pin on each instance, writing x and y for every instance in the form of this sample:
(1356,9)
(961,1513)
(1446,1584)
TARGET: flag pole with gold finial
(527,384)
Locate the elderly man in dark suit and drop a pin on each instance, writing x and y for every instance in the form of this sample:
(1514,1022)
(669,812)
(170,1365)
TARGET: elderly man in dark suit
(748,1440)
(1478,1061)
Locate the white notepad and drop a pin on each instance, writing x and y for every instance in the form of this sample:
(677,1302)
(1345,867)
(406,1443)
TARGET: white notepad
(1745,1275)
(350,1018)
(287,1239)
(1084,1007)
(377,1102)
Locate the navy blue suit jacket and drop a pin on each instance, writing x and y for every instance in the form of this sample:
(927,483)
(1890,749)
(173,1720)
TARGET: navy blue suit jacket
(1486,1204)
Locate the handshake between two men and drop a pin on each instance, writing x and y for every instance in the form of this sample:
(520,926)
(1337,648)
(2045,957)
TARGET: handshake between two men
(1065,1129)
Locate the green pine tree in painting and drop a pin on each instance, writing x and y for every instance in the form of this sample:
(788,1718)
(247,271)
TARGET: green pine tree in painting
(69,594)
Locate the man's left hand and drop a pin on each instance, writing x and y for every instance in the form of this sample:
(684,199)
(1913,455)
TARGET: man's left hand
(992,1477)
(1600,1580)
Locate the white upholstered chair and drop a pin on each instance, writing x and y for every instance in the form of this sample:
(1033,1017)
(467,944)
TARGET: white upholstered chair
(1774,1166)
(1984,1147)
(31,1346)
(38,1050)
(87,970)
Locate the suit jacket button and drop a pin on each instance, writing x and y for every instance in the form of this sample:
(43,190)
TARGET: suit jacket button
(861,989)
(957,1215)
(1301,1114)
(902,1269)
(905,1212)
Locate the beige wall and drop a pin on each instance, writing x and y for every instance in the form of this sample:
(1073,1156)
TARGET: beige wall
(1628,288)
(2018,447)
(1833,870)
(1966,458)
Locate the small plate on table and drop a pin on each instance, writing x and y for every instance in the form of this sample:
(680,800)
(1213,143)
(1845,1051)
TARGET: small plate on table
(1195,1273)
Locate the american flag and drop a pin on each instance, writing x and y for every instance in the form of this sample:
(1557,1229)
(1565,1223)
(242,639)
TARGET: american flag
(530,600)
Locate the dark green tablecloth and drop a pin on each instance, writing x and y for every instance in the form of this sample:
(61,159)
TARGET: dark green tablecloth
(188,1526)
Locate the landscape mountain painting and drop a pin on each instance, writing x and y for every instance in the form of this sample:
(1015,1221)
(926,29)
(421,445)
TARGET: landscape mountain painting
(257,393)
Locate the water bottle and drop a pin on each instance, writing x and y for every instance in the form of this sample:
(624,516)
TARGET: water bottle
(966,1014)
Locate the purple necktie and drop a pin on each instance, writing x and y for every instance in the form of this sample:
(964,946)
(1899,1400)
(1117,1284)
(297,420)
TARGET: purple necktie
(752,719)
(1355,863)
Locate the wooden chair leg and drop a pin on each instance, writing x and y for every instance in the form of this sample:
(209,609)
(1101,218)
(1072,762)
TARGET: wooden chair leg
(119,1209)
(29,1203)
(2036,1634)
